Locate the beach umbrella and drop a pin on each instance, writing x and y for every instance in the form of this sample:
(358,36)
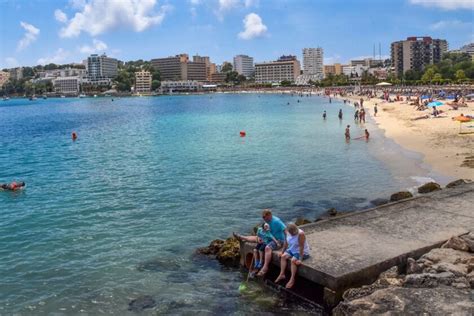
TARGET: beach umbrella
(435,103)
(383,84)
(425,97)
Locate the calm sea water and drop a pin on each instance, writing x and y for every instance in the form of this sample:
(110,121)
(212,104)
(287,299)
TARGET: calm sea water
(152,179)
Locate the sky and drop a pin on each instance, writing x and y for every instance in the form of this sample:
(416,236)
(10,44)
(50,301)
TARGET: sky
(36,32)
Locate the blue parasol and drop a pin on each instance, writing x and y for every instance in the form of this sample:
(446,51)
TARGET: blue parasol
(425,97)
(435,103)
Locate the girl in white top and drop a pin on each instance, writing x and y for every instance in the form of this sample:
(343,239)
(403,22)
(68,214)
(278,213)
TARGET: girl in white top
(295,248)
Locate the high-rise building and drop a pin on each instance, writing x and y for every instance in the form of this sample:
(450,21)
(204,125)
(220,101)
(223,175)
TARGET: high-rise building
(179,68)
(101,66)
(415,53)
(286,68)
(143,81)
(313,62)
(243,64)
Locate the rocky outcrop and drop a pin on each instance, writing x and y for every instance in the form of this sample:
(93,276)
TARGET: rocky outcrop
(455,183)
(226,251)
(330,213)
(229,253)
(429,187)
(438,283)
(400,196)
(301,221)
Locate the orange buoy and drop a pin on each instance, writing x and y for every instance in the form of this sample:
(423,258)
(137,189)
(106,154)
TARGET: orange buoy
(242,134)
(74,136)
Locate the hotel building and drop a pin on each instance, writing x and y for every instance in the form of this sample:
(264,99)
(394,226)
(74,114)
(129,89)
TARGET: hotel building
(179,68)
(415,53)
(335,69)
(66,85)
(4,77)
(101,69)
(143,81)
(313,62)
(286,68)
(243,64)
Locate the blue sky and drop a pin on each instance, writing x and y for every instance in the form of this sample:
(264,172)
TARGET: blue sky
(62,31)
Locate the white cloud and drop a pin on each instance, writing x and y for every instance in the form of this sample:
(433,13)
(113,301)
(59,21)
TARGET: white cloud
(254,27)
(60,16)
(59,57)
(99,16)
(224,6)
(77,4)
(251,3)
(97,46)
(332,59)
(30,36)
(451,24)
(446,4)
(11,62)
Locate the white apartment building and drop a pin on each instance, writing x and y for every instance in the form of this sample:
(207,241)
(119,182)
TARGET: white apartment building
(66,85)
(277,71)
(313,63)
(143,81)
(243,64)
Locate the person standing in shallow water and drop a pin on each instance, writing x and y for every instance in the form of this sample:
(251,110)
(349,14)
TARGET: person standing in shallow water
(340,114)
(348,133)
(324,115)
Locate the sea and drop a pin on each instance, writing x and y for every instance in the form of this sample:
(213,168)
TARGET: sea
(119,213)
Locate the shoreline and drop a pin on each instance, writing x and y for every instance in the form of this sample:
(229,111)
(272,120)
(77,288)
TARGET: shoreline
(437,140)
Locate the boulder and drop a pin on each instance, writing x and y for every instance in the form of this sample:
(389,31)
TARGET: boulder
(469,239)
(301,221)
(229,253)
(413,266)
(332,212)
(400,196)
(455,183)
(409,301)
(459,270)
(456,243)
(212,249)
(428,280)
(446,255)
(429,187)
(141,303)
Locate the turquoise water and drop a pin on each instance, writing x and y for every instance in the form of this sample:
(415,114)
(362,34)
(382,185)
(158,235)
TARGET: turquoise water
(152,179)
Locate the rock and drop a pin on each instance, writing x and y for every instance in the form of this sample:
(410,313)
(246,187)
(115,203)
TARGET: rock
(400,196)
(141,303)
(158,264)
(429,187)
(459,270)
(229,254)
(428,280)
(447,255)
(332,212)
(390,273)
(212,249)
(456,243)
(470,279)
(409,301)
(301,221)
(413,266)
(455,183)
(469,239)
(378,202)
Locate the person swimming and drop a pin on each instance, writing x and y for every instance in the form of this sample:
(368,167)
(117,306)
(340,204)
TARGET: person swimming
(12,186)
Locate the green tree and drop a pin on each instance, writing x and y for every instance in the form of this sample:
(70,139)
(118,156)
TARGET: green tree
(460,75)
(428,75)
(412,75)
(437,78)
(155,84)
(226,67)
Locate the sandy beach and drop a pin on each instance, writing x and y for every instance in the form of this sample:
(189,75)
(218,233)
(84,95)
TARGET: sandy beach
(437,139)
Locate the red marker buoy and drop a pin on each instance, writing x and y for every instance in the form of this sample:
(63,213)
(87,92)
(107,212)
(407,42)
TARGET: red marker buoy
(242,134)
(74,136)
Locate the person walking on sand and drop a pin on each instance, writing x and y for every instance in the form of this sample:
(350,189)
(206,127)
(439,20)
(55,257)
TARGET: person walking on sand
(340,114)
(278,230)
(296,249)
(375,109)
(348,132)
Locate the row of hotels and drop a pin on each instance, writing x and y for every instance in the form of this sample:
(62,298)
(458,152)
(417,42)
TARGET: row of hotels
(181,73)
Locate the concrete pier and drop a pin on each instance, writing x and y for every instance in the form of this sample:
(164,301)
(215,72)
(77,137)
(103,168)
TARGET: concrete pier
(352,250)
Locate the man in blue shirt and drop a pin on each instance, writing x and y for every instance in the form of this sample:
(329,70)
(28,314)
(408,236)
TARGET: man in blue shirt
(278,229)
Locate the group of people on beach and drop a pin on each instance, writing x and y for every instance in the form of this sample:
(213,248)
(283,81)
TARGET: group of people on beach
(273,235)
